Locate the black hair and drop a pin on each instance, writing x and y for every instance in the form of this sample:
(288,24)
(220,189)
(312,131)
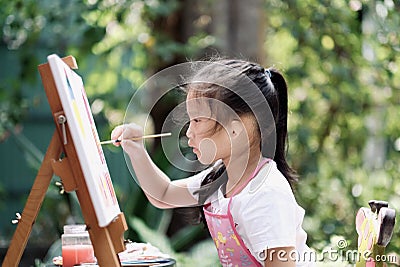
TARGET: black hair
(247,88)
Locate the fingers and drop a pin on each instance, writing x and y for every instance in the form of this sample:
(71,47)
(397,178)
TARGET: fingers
(116,134)
(126,131)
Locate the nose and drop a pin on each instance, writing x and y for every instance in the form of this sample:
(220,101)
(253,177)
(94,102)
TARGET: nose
(189,131)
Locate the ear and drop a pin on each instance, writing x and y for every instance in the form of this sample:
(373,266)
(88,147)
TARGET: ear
(237,128)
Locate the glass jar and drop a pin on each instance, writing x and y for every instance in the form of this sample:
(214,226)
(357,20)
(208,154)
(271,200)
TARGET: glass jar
(76,246)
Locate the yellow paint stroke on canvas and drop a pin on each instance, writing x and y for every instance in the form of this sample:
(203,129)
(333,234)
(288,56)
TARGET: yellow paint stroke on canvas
(78,117)
(74,103)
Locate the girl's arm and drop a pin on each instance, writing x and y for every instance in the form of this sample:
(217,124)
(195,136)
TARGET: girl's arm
(159,189)
(280,257)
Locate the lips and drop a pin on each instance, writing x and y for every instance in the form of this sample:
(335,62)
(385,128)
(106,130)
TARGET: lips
(195,149)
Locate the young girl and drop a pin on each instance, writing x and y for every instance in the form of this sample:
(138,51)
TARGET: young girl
(238,126)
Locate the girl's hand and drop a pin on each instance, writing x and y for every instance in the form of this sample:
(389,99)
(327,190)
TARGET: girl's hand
(124,133)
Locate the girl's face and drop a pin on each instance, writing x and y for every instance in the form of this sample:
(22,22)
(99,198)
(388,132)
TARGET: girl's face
(209,140)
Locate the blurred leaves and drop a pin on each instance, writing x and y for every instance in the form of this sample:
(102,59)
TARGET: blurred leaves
(201,254)
(341,59)
(344,92)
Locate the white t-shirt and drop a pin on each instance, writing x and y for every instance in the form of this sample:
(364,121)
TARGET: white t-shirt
(265,213)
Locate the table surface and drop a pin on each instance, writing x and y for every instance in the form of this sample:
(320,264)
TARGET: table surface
(167,263)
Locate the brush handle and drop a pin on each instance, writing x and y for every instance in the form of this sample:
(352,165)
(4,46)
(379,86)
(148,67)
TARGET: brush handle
(136,138)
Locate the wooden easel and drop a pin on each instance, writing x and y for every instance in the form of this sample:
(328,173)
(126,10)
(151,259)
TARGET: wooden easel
(107,241)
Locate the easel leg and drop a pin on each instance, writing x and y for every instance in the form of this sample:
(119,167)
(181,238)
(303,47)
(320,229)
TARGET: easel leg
(33,204)
(104,239)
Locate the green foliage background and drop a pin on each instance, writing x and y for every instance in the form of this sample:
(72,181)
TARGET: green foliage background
(344,79)
(341,59)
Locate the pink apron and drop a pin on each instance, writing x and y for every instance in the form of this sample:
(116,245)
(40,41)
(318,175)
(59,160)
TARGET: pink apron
(232,251)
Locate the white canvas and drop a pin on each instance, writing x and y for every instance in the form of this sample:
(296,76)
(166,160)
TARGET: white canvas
(86,140)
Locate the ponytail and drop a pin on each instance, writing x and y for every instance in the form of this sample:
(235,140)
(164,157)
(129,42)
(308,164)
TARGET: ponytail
(281,127)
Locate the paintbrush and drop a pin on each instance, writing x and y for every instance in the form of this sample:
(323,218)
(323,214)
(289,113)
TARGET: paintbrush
(136,138)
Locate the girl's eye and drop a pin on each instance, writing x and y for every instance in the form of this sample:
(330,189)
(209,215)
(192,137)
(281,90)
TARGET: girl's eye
(196,120)
(199,119)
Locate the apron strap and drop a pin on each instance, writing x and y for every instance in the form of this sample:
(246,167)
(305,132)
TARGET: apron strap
(259,166)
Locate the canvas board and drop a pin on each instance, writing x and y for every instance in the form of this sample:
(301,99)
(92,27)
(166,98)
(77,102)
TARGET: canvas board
(85,137)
